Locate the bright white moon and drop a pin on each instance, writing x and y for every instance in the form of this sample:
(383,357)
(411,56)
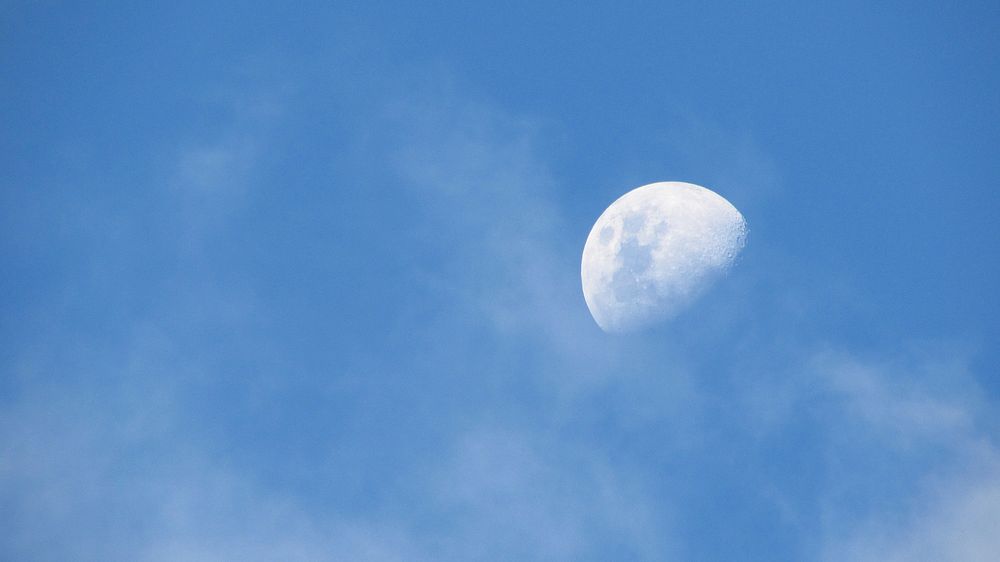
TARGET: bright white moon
(654,250)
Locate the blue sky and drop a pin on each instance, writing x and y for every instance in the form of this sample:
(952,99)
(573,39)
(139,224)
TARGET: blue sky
(302,283)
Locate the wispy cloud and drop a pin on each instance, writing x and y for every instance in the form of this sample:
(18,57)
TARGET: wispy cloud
(510,427)
(119,451)
(928,410)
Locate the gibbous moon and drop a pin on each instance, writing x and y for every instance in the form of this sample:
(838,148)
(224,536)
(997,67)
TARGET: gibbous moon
(654,250)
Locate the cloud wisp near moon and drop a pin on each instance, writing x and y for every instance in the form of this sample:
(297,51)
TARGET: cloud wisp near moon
(655,250)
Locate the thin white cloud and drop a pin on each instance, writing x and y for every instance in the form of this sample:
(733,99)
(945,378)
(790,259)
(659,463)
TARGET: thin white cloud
(955,521)
(518,495)
(114,449)
(928,404)
(109,466)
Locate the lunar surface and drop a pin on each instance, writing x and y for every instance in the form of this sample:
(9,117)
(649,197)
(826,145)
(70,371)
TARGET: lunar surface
(655,250)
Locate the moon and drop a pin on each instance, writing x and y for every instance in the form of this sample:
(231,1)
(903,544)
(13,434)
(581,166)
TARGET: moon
(655,250)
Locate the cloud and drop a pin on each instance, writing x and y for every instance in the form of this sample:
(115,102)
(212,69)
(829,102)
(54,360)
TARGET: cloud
(489,416)
(485,192)
(125,445)
(955,521)
(926,411)
(518,495)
